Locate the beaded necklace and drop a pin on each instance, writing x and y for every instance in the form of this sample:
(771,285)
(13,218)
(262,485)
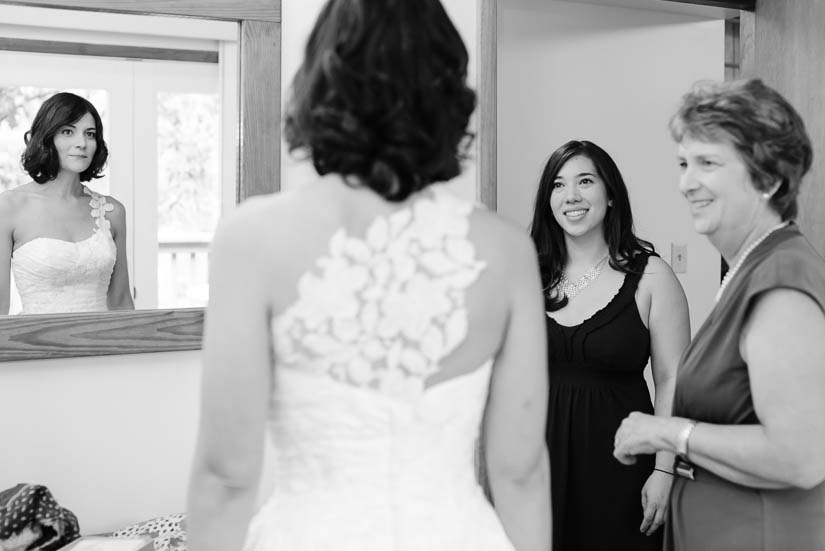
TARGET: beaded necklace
(573,288)
(732,272)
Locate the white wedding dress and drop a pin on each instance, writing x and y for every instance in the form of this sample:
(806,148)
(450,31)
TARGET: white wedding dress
(57,276)
(368,455)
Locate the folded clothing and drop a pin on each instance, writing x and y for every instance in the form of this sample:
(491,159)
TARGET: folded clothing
(168,532)
(31,519)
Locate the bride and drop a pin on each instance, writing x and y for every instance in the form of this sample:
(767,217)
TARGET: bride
(372,322)
(65,243)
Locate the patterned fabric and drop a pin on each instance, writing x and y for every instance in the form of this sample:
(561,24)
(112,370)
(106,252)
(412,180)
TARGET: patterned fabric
(31,519)
(367,456)
(383,311)
(168,532)
(56,276)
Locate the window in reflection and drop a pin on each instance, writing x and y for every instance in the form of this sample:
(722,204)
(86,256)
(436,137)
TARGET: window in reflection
(189,195)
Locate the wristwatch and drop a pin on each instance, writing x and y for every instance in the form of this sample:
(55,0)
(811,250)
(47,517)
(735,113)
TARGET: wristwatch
(683,437)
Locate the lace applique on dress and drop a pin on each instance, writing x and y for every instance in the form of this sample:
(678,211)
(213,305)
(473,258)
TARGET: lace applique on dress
(100,206)
(381,312)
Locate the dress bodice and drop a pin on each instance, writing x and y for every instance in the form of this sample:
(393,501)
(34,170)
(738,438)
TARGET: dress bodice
(611,346)
(364,444)
(57,276)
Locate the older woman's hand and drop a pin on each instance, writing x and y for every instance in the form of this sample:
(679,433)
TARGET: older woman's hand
(641,433)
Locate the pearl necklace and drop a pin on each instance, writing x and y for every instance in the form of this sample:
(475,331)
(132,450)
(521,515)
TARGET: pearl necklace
(573,288)
(732,272)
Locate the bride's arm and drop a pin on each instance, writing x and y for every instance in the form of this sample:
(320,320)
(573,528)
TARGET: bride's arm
(6,245)
(120,291)
(515,450)
(235,390)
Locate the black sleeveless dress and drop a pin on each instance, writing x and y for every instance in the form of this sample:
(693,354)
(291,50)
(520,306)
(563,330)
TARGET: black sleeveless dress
(596,379)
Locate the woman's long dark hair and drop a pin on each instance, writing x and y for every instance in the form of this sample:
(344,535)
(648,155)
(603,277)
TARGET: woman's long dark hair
(626,251)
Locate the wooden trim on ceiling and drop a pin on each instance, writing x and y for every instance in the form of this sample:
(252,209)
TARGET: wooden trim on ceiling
(746,5)
(227,10)
(106,50)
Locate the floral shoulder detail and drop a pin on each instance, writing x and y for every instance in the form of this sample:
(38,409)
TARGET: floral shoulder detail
(100,206)
(381,312)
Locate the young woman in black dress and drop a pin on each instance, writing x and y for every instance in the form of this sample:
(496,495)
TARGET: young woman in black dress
(612,304)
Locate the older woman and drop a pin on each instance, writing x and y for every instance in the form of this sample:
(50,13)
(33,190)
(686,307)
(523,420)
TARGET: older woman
(748,423)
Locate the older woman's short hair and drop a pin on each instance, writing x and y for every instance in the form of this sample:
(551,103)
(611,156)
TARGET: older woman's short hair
(40,159)
(381,97)
(762,126)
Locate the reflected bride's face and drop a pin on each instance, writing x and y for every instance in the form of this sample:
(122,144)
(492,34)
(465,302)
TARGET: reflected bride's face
(76,144)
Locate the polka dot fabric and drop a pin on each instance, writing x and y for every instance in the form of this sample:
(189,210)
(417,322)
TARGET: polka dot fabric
(167,532)
(31,519)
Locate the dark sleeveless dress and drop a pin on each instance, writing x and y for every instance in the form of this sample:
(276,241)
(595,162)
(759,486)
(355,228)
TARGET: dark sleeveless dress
(596,380)
(713,386)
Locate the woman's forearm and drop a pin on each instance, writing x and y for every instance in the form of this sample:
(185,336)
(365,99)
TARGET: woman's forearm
(663,404)
(744,454)
(523,505)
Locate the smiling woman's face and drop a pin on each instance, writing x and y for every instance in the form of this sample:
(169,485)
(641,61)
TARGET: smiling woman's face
(718,187)
(579,198)
(76,144)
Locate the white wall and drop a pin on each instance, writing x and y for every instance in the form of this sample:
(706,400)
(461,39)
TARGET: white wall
(111,436)
(299,17)
(612,75)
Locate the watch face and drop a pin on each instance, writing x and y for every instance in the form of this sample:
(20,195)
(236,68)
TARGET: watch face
(683,468)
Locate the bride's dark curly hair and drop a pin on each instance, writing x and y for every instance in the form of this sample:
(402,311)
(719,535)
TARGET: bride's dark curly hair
(381,97)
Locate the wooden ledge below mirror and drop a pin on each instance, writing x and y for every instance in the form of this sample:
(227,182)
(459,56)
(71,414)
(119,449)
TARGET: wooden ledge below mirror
(95,334)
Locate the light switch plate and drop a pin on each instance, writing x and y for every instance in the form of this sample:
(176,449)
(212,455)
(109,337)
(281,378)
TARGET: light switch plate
(678,257)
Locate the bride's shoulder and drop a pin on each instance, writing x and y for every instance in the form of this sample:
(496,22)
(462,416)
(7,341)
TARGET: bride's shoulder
(260,222)
(264,212)
(14,200)
(20,194)
(497,238)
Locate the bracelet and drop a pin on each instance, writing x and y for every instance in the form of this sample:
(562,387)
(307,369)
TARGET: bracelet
(662,471)
(682,439)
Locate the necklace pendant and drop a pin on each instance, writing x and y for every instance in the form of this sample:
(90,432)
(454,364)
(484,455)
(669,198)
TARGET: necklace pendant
(573,288)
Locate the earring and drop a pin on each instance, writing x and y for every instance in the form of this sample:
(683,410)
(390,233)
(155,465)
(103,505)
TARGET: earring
(610,203)
(766,195)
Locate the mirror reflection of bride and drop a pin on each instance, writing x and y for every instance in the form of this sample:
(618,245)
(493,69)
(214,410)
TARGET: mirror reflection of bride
(64,243)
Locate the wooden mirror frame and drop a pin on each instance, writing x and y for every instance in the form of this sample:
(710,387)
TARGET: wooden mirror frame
(141,331)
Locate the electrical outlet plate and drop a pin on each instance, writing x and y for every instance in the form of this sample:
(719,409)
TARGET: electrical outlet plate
(678,257)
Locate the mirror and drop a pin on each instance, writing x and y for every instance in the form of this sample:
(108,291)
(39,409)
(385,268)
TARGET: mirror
(180,233)
(161,121)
